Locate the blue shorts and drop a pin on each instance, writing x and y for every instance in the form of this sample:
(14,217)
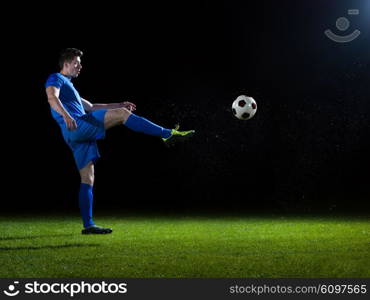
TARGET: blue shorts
(82,141)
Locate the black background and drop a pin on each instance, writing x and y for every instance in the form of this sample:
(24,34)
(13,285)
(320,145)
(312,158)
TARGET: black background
(307,148)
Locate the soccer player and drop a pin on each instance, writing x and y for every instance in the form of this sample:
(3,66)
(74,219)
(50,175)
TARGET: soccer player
(83,122)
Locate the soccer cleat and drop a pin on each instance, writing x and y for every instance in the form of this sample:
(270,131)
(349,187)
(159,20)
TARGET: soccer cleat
(96,230)
(177,136)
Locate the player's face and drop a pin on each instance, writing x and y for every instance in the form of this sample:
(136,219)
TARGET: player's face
(74,67)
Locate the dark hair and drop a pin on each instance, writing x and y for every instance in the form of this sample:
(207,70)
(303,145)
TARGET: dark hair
(67,55)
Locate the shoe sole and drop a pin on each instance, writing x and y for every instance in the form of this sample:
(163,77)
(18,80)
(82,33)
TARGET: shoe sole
(107,232)
(178,138)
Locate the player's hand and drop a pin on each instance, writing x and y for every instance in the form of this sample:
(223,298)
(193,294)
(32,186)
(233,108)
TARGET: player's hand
(129,105)
(70,123)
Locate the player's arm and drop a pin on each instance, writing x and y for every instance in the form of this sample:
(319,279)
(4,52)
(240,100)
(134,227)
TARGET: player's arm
(53,98)
(88,106)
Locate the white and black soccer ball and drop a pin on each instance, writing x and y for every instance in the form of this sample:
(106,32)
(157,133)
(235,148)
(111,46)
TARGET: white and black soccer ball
(244,107)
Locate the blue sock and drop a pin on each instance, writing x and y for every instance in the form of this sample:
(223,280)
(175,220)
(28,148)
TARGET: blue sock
(140,124)
(86,203)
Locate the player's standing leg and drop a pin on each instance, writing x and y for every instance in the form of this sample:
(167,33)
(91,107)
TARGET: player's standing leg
(86,198)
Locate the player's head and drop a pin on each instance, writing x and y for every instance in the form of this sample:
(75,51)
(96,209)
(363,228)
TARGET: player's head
(70,62)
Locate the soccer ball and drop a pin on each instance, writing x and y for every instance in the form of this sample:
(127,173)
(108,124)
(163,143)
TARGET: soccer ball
(244,107)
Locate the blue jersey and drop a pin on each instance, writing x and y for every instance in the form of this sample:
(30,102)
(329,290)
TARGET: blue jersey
(90,127)
(68,95)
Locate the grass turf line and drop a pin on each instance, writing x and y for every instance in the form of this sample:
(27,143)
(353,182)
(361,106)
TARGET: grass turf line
(186,247)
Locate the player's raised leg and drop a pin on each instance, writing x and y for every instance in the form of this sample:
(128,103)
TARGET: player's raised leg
(134,122)
(86,201)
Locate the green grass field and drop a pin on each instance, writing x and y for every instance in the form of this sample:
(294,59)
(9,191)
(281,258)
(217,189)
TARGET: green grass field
(186,246)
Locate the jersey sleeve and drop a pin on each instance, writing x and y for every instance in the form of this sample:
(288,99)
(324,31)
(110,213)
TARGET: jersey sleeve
(54,80)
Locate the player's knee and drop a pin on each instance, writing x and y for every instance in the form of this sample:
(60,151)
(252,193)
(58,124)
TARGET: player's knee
(87,174)
(124,113)
(115,117)
(87,178)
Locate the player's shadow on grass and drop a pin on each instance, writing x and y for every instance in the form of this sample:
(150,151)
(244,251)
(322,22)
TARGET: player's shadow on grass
(47,247)
(29,237)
